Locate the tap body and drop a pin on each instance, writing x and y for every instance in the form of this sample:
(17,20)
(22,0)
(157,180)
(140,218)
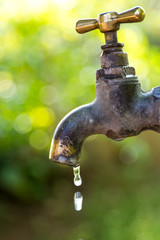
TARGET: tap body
(120,110)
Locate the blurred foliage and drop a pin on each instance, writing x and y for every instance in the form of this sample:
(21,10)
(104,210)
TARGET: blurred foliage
(46,70)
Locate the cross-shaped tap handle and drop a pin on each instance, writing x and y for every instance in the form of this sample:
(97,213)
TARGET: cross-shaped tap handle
(110,21)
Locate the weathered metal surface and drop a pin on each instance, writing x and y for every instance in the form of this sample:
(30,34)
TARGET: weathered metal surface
(121,109)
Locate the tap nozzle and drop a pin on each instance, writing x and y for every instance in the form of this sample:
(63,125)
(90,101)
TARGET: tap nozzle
(109,22)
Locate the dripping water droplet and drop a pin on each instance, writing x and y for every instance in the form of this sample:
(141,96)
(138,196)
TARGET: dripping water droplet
(77,177)
(78,200)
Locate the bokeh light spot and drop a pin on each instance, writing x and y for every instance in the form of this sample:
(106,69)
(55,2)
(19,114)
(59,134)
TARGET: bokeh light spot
(42,117)
(65,4)
(21,93)
(48,95)
(7,86)
(36,5)
(39,139)
(22,123)
(128,154)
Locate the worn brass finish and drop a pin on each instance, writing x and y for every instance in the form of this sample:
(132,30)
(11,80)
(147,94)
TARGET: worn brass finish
(86,25)
(121,109)
(110,21)
(63,147)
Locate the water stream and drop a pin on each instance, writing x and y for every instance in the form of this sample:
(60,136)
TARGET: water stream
(78,200)
(77,177)
(78,197)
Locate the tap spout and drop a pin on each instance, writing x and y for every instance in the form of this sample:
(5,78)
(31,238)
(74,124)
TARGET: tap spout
(70,133)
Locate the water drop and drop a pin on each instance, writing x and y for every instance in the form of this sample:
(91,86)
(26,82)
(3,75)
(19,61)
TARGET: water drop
(77,177)
(78,200)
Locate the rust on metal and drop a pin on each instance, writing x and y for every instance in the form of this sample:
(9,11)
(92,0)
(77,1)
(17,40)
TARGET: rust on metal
(120,110)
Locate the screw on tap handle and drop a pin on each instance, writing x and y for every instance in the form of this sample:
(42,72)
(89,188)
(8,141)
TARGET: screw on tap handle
(110,21)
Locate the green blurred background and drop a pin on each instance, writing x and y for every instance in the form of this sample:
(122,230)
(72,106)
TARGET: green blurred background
(46,70)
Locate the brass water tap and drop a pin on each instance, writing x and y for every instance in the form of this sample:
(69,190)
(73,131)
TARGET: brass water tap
(121,109)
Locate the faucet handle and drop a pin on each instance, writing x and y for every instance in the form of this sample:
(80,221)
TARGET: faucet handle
(110,21)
